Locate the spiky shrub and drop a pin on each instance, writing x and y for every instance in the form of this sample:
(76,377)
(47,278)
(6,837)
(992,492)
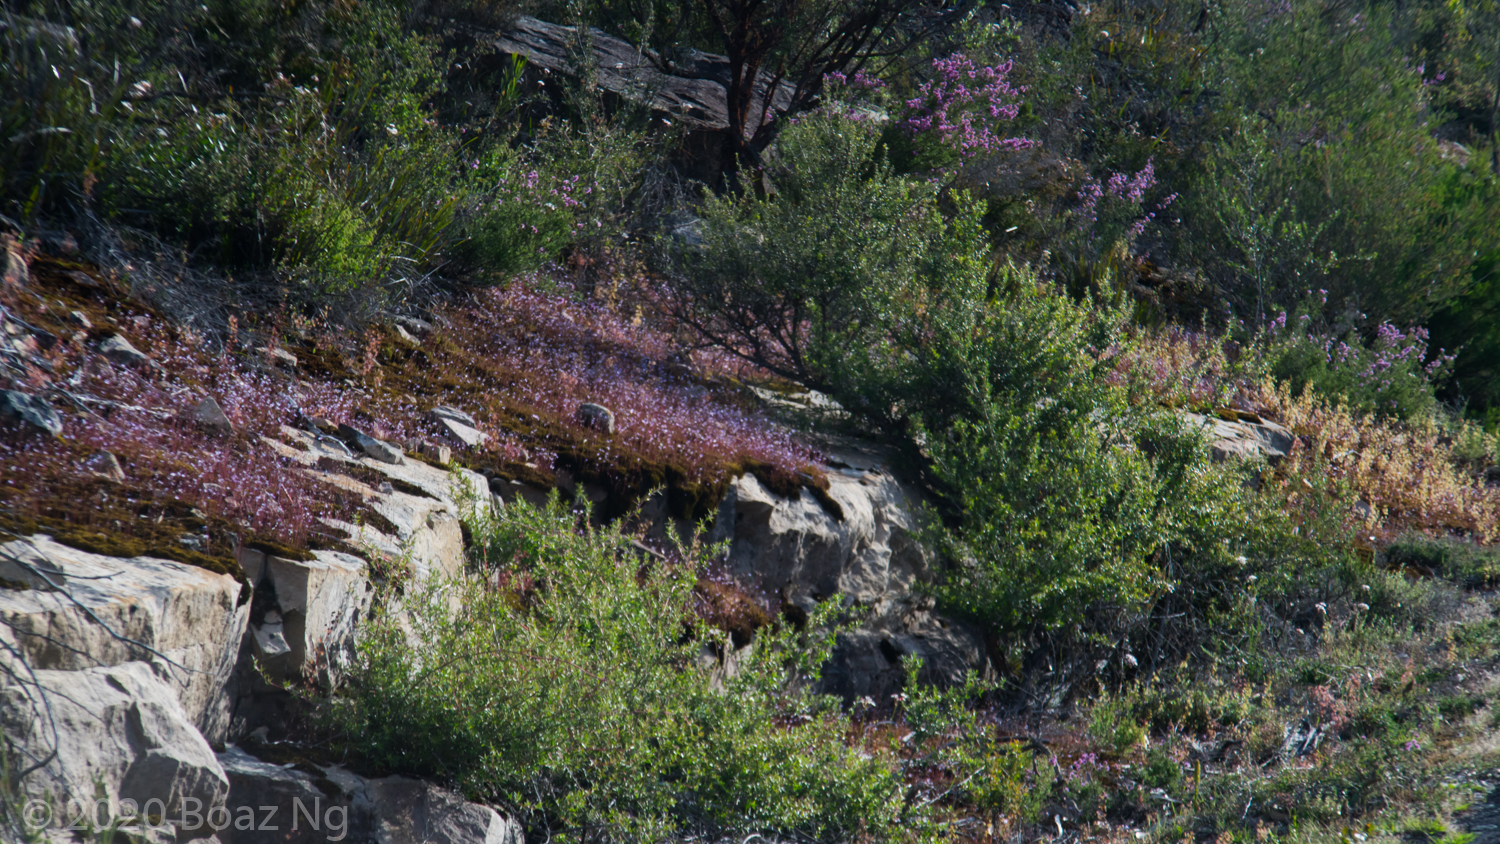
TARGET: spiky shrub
(565,680)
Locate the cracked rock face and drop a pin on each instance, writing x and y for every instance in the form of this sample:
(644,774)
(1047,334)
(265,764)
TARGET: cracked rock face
(347,807)
(184,620)
(798,553)
(118,730)
(1244,438)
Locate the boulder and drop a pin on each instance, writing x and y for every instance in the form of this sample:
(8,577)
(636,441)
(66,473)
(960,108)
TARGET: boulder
(85,610)
(208,414)
(105,465)
(689,87)
(315,804)
(461,434)
(31,411)
(868,660)
(443,411)
(596,416)
(418,489)
(279,357)
(415,812)
(1243,438)
(439,454)
(419,327)
(291,804)
(865,554)
(797,546)
(369,446)
(113,733)
(118,349)
(317,604)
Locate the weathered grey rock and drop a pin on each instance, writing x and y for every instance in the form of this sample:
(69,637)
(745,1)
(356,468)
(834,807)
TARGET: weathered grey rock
(118,349)
(80,319)
(184,620)
(509,491)
(867,556)
(208,414)
(428,488)
(419,327)
(404,336)
(1244,439)
(310,806)
(117,729)
(15,273)
(391,810)
(369,446)
(869,660)
(30,410)
(461,434)
(797,546)
(596,416)
(435,452)
(689,87)
(443,411)
(319,602)
(277,356)
(414,812)
(105,465)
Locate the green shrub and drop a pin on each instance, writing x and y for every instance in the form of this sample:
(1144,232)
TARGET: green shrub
(1072,500)
(525,218)
(1332,178)
(1113,726)
(1464,563)
(565,679)
(1389,375)
(821,281)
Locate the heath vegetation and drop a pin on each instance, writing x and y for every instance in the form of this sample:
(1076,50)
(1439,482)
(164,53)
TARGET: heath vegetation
(1029,247)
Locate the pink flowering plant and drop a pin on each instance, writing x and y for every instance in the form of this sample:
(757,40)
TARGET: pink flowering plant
(1115,208)
(964,106)
(524,215)
(961,112)
(1387,372)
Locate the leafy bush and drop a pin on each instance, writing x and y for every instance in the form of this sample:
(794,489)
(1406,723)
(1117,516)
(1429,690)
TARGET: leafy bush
(1334,180)
(816,282)
(1464,563)
(1071,499)
(565,679)
(1390,376)
(526,219)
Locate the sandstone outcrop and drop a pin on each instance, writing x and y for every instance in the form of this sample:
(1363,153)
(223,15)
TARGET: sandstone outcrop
(316,804)
(798,553)
(689,88)
(118,674)
(1244,438)
(85,610)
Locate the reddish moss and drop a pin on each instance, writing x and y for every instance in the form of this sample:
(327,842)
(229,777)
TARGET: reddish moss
(730,609)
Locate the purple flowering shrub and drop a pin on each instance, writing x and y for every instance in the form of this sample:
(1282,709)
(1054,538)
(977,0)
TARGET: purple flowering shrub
(238,484)
(1115,208)
(553,353)
(958,114)
(523,217)
(522,361)
(963,106)
(1389,374)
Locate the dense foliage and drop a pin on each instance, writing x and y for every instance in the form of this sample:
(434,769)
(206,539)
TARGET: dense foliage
(568,679)
(1017,242)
